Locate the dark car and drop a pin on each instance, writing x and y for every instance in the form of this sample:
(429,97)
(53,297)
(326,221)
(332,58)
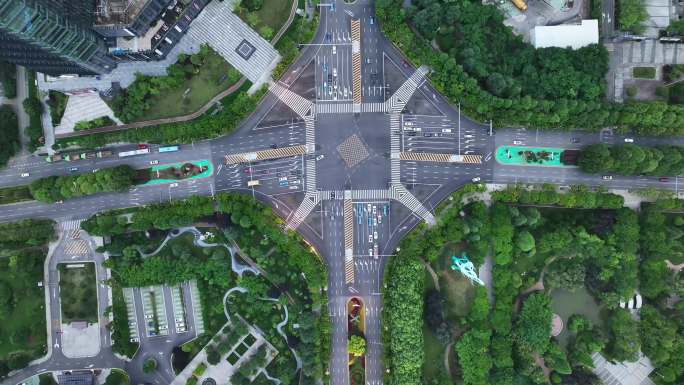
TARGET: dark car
(246,170)
(575,140)
(664,179)
(274,145)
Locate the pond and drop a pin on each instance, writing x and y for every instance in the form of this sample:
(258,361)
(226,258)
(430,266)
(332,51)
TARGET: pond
(566,303)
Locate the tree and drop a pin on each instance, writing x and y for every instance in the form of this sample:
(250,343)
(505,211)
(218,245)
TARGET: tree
(33,106)
(473,356)
(658,335)
(213,356)
(624,342)
(150,365)
(565,273)
(524,241)
(9,131)
(631,15)
(533,326)
(356,346)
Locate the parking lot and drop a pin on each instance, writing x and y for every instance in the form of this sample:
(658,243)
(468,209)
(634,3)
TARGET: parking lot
(160,310)
(276,176)
(440,135)
(371,227)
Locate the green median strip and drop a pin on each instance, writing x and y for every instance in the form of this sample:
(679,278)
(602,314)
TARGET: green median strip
(15,194)
(530,156)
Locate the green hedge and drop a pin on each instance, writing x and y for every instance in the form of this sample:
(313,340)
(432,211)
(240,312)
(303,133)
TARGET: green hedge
(56,188)
(577,197)
(9,132)
(644,72)
(15,194)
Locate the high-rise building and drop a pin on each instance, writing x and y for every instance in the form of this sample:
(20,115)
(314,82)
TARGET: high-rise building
(52,36)
(127,18)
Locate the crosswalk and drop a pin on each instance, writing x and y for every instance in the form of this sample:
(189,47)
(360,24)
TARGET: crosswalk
(76,247)
(348,241)
(398,192)
(398,100)
(349,270)
(349,108)
(268,154)
(297,103)
(310,201)
(370,195)
(310,126)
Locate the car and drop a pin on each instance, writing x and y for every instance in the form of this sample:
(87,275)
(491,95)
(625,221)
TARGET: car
(517,142)
(154,162)
(380,219)
(368,207)
(375,234)
(334,50)
(274,146)
(247,170)
(370,238)
(24,175)
(173,185)
(96,169)
(320,157)
(468,136)
(607,177)
(73,169)
(294,187)
(575,140)
(370,251)
(427,135)
(405,63)
(282,179)
(446,130)
(334,72)
(408,123)
(265,171)
(142,146)
(332,195)
(663,179)
(476,179)
(368,60)
(629,140)
(372,20)
(375,209)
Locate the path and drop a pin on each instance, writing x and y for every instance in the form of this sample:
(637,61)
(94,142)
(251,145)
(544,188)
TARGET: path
(435,280)
(673,267)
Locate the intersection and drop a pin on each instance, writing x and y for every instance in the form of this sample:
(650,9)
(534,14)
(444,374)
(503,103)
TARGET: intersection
(353,149)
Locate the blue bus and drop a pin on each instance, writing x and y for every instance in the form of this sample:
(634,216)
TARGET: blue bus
(168,149)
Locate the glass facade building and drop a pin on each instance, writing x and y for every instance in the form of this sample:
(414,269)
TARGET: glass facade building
(52,36)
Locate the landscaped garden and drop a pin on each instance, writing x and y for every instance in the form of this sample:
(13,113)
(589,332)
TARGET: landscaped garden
(78,292)
(579,264)
(356,346)
(166,173)
(275,300)
(189,84)
(23,247)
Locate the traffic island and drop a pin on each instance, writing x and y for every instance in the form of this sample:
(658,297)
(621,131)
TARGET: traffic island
(168,173)
(536,156)
(356,346)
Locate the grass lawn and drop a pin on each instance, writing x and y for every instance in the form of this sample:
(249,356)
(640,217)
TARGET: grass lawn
(23,321)
(273,14)
(434,354)
(203,86)
(15,194)
(78,293)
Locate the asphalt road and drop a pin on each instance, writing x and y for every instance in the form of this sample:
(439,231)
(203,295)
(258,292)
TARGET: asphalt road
(443,130)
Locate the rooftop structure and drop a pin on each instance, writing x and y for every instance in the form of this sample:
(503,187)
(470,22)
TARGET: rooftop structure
(117,18)
(565,35)
(623,373)
(75,378)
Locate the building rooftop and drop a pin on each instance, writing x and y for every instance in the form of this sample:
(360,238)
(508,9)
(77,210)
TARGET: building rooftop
(118,11)
(565,35)
(75,378)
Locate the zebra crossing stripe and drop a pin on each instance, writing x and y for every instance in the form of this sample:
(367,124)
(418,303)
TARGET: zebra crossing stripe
(348,227)
(277,153)
(398,100)
(356,59)
(298,104)
(310,201)
(400,193)
(349,271)
(431,157)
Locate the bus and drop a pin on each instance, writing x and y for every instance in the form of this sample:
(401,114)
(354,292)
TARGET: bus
(134,152)
(168,149)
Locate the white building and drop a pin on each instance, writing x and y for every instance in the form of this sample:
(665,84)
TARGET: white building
(565,35)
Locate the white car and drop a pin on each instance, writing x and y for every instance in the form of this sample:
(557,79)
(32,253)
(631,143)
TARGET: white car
(320,157)
(334,50)
(375,234)
(607,177)
(334,72)
(629,140)
(24,175)
(517,142)
(154,162)
(476,179)
(370,238)
(173,185)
